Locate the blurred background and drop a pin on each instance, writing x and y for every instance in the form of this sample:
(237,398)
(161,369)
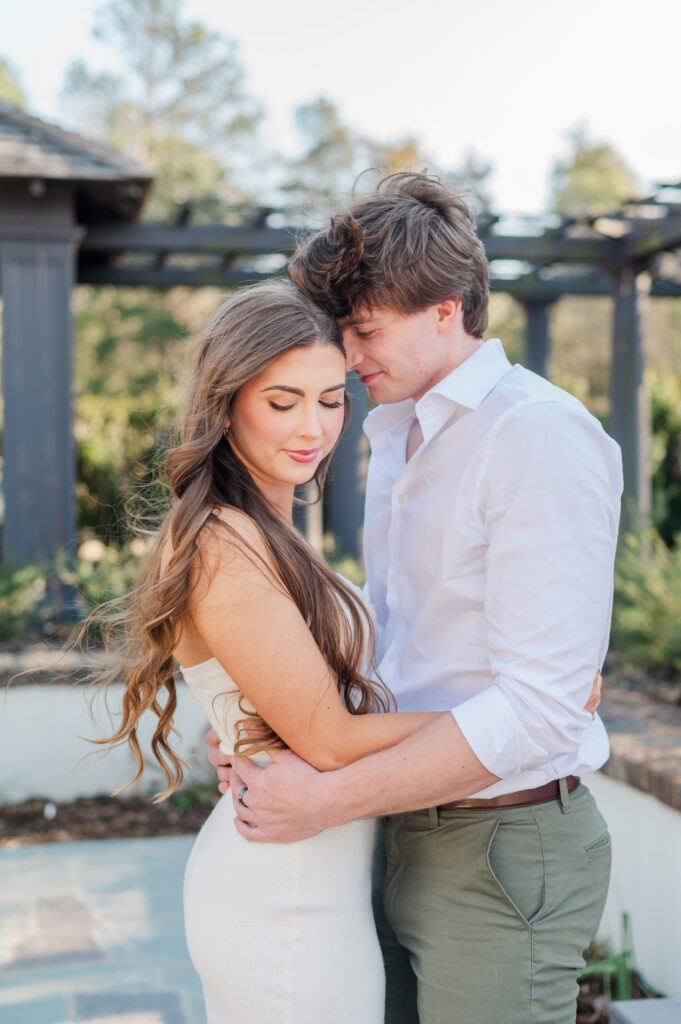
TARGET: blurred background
(550,115)
(560,121)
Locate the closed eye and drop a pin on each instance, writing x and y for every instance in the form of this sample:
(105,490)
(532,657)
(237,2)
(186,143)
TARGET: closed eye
(331,405)
(282,408)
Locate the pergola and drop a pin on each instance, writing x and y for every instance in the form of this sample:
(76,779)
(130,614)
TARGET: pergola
(99,241)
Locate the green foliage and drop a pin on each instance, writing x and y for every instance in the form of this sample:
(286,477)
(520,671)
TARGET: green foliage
(647,605)
(665,392)
(11,88)
(179,105)
(32,596)
(120,444)
(345,565)
(132,349)
(191,796)
(592,179)
(22,590)
(335,156)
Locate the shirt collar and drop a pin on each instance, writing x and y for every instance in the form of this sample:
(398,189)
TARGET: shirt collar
(466,386)
(473,379)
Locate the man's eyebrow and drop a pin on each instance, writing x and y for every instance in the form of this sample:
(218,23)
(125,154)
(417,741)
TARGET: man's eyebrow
(357,320)
(297,391)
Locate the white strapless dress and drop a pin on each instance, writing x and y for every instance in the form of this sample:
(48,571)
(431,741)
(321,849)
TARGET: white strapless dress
(279,934)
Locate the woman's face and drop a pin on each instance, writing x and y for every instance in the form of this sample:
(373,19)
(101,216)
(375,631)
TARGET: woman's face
(288,418)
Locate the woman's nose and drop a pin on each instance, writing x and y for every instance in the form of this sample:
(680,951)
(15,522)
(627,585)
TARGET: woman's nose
(310,424)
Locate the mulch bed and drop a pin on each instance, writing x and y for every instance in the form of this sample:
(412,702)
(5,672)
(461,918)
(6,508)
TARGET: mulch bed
(104,817)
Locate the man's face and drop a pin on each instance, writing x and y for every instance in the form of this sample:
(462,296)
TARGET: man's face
(397,355)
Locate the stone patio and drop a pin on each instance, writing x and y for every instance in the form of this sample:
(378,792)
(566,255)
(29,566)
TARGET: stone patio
(92,933)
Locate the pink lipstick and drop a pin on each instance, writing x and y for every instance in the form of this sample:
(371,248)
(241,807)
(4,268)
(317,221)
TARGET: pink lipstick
(303,456)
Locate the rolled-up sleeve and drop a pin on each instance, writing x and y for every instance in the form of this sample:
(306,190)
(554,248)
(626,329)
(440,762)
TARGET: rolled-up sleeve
(548,498)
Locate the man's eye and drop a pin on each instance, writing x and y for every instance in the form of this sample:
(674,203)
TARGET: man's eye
(367,334)
(281,408)
(331,405)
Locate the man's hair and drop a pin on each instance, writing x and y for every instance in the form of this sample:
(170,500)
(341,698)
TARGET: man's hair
(409,244)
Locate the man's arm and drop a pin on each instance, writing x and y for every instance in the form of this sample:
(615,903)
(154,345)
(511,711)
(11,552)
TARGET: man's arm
(289,800)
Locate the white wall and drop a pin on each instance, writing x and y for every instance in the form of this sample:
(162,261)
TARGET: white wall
(41,743)
(646,880)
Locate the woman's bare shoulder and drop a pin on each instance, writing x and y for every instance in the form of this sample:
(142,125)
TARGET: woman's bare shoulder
(231,534)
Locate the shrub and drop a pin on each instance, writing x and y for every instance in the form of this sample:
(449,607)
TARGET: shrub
(647,605)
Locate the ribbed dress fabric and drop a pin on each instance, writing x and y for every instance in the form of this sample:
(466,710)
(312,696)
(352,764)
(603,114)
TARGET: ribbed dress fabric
(279,934)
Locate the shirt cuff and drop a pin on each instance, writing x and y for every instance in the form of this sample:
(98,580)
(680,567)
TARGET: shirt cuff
(491,727)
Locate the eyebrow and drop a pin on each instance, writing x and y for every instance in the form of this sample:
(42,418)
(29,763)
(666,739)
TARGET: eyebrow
(297,391)
(357,321)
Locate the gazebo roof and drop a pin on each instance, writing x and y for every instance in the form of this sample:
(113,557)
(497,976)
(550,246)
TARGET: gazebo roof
(108,182)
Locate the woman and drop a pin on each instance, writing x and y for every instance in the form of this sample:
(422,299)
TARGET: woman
(257,620)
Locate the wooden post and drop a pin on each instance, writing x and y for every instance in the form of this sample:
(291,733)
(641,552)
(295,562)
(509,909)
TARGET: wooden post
(36,277)
(537,338)
(630,403)
(347,477)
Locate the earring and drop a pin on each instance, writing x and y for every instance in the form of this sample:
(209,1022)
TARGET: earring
(224,432)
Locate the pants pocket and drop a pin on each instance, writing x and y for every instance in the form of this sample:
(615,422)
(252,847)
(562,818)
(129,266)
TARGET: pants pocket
(515,857)
(600,848)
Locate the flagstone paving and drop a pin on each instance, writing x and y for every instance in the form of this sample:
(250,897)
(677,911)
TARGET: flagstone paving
(91,932)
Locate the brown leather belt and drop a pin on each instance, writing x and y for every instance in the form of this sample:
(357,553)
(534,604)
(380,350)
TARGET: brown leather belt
(521,798)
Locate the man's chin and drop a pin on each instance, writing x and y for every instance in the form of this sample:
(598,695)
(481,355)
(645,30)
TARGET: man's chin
(382,393)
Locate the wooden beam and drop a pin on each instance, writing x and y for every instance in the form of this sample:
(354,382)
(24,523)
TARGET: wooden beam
(547,248)
(191,238)
(537,339)
(169,277)
(653,237)
(630,403)
(39,463)
(244,239)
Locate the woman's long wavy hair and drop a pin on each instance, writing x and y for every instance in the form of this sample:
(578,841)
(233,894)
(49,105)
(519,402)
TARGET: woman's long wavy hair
(242,338)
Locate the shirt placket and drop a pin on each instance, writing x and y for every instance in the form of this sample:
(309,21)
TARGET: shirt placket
(398,512)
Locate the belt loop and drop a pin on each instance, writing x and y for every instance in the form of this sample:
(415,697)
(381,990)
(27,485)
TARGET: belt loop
(434,817)
(564,796)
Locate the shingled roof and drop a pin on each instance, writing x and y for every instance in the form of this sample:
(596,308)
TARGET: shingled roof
(32,148)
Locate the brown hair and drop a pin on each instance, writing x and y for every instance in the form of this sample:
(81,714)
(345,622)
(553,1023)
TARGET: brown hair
(242,338)
(409,244)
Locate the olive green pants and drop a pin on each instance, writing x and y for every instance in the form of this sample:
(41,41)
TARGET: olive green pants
(483,915)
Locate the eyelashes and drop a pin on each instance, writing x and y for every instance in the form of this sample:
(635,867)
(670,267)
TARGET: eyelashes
(286,408)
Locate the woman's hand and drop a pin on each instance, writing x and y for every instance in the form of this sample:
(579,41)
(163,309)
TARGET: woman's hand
(222,762)
(595,695)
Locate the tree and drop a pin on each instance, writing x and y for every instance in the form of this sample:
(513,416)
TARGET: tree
(335,155)
(592,179)
(473,173)
(11,88)
(179,104)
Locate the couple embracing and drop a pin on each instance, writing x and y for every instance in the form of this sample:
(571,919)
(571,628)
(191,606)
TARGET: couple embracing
(442,719)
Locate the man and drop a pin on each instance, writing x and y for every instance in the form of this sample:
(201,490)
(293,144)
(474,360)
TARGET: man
(491,521)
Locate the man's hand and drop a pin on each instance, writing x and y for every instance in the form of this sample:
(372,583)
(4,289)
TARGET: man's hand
(281,803)
(221,761)
(595,696)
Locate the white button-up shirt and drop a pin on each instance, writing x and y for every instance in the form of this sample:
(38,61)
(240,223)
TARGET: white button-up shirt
(489,559)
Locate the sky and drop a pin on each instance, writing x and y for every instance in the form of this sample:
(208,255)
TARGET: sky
(508,79)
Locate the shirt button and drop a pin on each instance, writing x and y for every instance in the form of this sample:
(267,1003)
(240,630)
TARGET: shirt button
(392,656)
(400,498)
(393,578)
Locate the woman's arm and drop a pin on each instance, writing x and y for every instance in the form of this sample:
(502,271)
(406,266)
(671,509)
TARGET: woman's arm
(249,623)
